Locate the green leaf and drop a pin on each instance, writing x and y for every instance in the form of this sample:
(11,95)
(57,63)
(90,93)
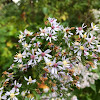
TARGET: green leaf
(93,87)
(45,10)
(26,99)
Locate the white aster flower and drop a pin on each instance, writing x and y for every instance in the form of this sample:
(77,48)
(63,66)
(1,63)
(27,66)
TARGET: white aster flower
(30,80)
(23,93)
(28,33)
(91,41)
(79,30)
(79,48)
(52,20)
(18,57)
(20,66)
(43,54)
(25,45)
(37,44)
(21,37)
(55,66)
(65,62)
(33,57)
(16,86)
(85,35)
(94,27)
(25,54)
(43,32)
(67,34)
(54,25)
(12,95)
(51,36)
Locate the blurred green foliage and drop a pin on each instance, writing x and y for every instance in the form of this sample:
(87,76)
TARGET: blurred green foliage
(32,14)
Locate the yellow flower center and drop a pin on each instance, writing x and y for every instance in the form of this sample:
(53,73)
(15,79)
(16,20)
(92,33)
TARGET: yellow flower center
(30,80)
(21,36)
(64,30)
(48,63)
(81,47)
(28,33)
(63,51)
(21,65)
(12,95)
(93,27)
(23,94)
(30,96)
(19,55)
(64,62)
(84,36)
(26,45)
(76,43)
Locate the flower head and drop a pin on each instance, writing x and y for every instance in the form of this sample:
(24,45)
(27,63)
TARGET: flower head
(30,80)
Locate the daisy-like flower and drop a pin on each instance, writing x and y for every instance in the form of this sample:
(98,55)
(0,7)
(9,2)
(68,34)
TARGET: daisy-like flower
(65,62)
(16,86)
(52,20)
(55,66)
(85,35)
(18,57)
(80,48)
(48,62)
(33,57)
(21,37)
(25,54)
(54,25)
(67,30)
(20,65)
(12,95)
(43,32)
(94,27)
(79,30)
(23,93)
(37,44)
(25,45)
(51,35)
(90,38)
(67,34)
(27,33)
(30,80)
(43,54)
(91,41)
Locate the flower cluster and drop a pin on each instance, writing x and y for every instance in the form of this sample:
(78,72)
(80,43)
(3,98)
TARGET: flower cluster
(52,62)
